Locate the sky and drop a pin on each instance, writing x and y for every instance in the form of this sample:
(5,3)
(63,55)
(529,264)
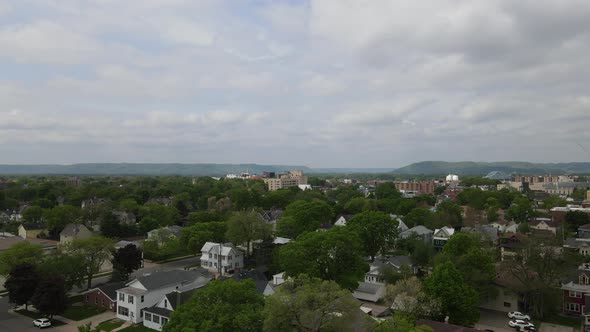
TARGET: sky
(322,83)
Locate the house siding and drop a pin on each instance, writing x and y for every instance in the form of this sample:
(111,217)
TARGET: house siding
(572,299)
(505,301)
(98,299)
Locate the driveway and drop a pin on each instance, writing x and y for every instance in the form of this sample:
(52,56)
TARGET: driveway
(548,327)
(493,320)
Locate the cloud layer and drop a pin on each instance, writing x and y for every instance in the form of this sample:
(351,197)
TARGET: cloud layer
(326,83)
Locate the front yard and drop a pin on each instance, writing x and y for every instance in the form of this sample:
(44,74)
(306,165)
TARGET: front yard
(79,312)
(109,325)
(136,328)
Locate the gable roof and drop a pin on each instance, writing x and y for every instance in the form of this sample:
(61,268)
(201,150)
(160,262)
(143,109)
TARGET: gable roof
(396,261)
(214,248)
(368,288)
(161,279)
(419,230)
(73,230)
(110,289)
(257,276)
(33,226)
(447,231)
(177,298)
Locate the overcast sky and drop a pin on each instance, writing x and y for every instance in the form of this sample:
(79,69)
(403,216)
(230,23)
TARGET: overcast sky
(326,83)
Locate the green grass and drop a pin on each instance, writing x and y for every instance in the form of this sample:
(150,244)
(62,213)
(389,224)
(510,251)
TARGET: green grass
(109,325)
(35,315)
(136,328)
(79,312)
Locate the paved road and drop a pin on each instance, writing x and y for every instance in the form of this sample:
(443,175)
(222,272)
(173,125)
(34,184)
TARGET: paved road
(13,322)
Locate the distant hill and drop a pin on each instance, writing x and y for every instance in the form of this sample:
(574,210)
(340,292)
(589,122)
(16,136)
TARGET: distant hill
(352,170)
(483,168)
(145,169)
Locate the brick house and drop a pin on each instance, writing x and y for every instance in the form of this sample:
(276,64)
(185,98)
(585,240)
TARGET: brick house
(103,297)
(576,291)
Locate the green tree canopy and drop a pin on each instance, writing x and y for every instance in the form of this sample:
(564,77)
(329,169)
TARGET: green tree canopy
(194,237)
(331,255)
(19,253)
(58,217)
(21,283)
(220,306)
(304,216)
(376,230)
(458,300)
(50,296)
(245,227)
(311,304)
(70,266)
(95,251)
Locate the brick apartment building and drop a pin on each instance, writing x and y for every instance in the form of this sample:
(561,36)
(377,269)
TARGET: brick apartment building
(423,187)
(290,179)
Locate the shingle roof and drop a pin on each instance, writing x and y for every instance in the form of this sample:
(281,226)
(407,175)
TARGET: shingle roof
(365,287)
(177,298)
(161,279)
(419,230)
(258,277)
(73,229)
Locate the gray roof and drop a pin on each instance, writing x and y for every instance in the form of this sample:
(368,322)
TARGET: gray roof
(576,243)
(158,311)
(258,277)
(397,261)
(73,229)
(419,230)
(161,279)
(177,298)
(365,287)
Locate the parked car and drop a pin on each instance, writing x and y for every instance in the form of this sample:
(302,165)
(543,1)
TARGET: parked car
(42,322)
(518,315)
(522,324)
(526,329)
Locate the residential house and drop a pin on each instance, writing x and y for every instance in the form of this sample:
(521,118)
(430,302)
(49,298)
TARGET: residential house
(343,219)
(441,236)
(277,280)
(505,226)
(371,292)
(544,224)
(375,310)
(158,234)
(158,315)
(421,231)
(511,246)
(125,218)
(221,258)
(575,292)
(584,231)
(74,232)
(146,291)
(103,296)
(258,277)
(581,245)
(506,298)
(401,225)
(281,240)
(31,231)
(271,217)
(395,262)
(92,203)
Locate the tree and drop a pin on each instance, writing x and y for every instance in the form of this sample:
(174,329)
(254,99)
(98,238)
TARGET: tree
(449,213)
(358,205)
(407,296)
(58,217)
(194,237)
(245,227)
(125,261)
(95,250)
(575,219)
(387,191)
(33,214)
(553,201)
(220,306)
(521,210)
(458,300)
(419,216)
(400,323)
(21,283)
(332,255)
(376,230)
(304,217)
(50,296)
(69,266)
(474,261)
(19,253)
(165,215)
(311,304)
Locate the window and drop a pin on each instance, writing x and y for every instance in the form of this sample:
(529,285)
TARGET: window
(575,294)
(123,311)
(102,302)
(156,319)
(237,264)
(86,297)
(229,258)
(164,320)
(507,304)
(210,255)
(584,280)
(570,306)
(165,303)
(215,264)
(142,299)
(130,299)
(215,256)
(148,317)
(121,297)
(96,300)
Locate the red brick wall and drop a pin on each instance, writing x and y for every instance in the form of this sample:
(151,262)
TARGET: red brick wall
(98,299)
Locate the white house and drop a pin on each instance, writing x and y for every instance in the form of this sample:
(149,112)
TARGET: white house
(158,315)
(369,292)
(221,258)
(395,262)
(343,219)
(148,290)
(441,236)
(74,232)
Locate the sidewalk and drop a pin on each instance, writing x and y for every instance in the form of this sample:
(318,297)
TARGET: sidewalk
(72,325)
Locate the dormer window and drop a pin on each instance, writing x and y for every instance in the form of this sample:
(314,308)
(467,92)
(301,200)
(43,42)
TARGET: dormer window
(584,280)
(166,304)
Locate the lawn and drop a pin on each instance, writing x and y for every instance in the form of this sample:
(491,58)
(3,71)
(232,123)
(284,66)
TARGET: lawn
(136,328)
(79,312)
(35,315)
(109,325)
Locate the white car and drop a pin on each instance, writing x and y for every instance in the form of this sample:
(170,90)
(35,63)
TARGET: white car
(518,315)
(520,323)
(42,322)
